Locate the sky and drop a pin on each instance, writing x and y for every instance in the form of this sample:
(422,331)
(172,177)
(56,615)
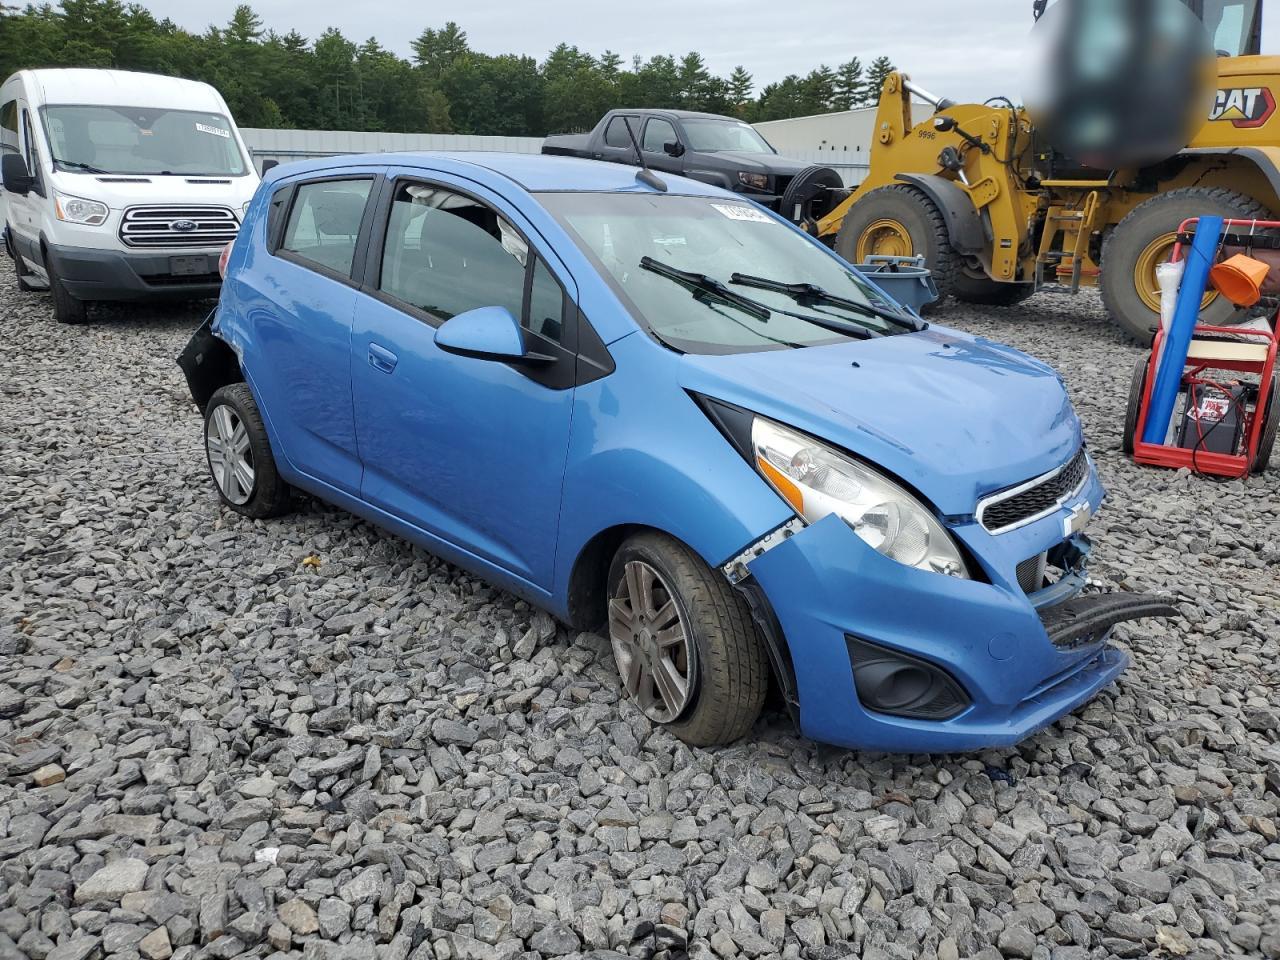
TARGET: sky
(943,44)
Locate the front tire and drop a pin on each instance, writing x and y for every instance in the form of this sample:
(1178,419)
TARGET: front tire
(239,455)
(687,650)
(900,221)
(66,308)
(1144,239)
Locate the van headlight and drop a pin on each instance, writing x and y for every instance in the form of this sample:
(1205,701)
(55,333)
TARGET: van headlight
(78,210)
(817,480)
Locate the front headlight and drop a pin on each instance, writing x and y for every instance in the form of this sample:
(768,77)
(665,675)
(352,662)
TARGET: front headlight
(244,208)
(817,481)
(79,210)
(757,180)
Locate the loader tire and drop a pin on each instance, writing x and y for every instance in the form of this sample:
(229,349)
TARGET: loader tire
(1145,239)
(900,221)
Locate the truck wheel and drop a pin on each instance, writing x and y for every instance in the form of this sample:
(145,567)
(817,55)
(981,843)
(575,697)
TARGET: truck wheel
(1144,239)
(66,308)
(900,221)
(1267,442)
(239,455)
(1136,386)
(812,194)
(684,642)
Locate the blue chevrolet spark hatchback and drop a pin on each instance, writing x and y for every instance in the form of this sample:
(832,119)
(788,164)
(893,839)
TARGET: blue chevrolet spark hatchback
(659,410)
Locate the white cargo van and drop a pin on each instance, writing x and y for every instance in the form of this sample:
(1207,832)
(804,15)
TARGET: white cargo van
(118,185)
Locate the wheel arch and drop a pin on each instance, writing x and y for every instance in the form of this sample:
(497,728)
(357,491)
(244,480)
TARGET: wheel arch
(964,223)
(1265,161)
(209,363)
(588,590)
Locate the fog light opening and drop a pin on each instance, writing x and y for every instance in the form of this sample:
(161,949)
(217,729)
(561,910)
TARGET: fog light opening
(901,685)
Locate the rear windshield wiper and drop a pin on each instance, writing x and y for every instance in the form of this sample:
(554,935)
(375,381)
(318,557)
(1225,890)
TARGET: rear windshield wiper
(811,293)
(702,283)
(77,165)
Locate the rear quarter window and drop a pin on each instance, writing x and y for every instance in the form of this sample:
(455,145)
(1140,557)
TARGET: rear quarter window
(324,222)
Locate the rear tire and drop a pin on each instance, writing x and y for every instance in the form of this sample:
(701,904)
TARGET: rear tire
(900,221)
(239,455)
(66,308)
(723,659)
(1144,239)
(1136,387)
(1267,443)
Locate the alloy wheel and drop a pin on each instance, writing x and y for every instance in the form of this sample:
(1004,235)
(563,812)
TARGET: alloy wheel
(651,643)
(230,455)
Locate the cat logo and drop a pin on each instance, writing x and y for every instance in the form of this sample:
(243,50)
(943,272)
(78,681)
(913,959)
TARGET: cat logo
(1244,107)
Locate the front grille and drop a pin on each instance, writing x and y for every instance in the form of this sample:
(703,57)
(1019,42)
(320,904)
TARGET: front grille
(1035,499)
(1031,572)
(154,226)
(181,280)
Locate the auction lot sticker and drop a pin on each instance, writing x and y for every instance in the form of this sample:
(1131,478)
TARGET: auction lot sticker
(737,211)
(216,131)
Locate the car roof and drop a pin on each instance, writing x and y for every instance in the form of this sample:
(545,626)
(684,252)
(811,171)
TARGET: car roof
(536,173)
(680,114)
(124,88)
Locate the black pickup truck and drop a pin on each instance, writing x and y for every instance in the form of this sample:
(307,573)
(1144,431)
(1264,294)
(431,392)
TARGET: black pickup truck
(714,149)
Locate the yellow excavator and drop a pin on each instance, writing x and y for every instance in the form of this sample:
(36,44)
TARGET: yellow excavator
(999,215)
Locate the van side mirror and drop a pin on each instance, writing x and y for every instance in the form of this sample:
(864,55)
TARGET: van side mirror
(269,165)
(486,333)
(673,148)
(15,175)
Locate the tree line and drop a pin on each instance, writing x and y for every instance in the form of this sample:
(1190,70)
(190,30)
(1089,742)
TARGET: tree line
(271,79)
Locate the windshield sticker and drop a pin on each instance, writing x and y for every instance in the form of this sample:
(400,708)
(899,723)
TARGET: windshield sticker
(216,131)
(737,211)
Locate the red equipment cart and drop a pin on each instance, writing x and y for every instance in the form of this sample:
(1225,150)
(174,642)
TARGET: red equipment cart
(1210,351)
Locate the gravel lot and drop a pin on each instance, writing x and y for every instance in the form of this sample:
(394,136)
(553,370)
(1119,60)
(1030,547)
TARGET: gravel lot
(304,737)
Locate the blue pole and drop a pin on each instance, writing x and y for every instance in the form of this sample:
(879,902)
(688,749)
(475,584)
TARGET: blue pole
(1164,395)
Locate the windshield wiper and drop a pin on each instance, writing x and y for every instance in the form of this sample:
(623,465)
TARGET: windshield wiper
(710,285)
(702,283)
(811,293)
(76,164)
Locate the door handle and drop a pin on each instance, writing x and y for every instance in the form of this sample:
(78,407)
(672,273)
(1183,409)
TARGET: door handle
(380,358)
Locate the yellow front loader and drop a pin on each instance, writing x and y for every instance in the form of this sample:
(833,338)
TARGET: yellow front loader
(998,215)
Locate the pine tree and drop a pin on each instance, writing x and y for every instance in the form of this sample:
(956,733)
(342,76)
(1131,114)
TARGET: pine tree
(438,50)
(850,87)
(740,84)
(876,76)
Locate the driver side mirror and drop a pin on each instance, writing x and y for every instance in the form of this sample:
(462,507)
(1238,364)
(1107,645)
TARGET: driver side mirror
(269,165)
(673,148)
(486,333)
(15,175)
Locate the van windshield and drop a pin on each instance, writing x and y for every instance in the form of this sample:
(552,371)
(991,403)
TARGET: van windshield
(142,141)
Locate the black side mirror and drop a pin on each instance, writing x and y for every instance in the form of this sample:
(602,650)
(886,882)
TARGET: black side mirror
(673,148)
(269,165)
(17,179)
(944,124)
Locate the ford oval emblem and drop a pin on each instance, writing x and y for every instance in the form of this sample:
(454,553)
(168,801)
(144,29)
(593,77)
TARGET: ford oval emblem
(183,226)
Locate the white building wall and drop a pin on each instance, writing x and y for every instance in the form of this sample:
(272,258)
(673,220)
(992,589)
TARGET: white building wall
(287,145)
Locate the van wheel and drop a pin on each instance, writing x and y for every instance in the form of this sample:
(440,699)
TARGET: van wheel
(239,455)
(684,642)
(66,308)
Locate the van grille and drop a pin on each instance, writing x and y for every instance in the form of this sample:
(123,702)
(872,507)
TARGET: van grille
(155,226)
(1035,499)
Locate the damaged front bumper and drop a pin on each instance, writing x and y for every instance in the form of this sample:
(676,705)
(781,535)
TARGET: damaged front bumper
(875,655)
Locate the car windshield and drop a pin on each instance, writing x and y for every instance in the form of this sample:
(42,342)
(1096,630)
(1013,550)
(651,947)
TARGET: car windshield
(142,141)
(714,136)
(637,240)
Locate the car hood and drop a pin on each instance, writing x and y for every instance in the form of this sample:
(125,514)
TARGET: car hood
(764,162)
(954,416)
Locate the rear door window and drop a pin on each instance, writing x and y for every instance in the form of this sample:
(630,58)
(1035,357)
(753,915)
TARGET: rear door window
(324,222)
(615,135)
